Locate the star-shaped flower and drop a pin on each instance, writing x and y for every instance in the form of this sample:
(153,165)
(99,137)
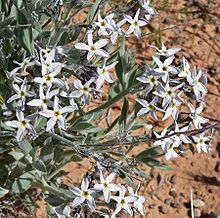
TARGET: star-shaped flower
(44,100)
(135,24)
(56,115)
(93,48)
(203,143)
(123,202)
(104,74)
(139,201)
(21,93)
(164,67)
(22,124)
(83,194)
(195,115)
(106,186)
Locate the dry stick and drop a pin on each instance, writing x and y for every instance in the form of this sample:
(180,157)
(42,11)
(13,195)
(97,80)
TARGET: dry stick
(120,144)
(191,202)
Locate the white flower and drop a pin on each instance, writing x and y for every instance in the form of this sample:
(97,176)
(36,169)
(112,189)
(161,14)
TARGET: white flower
(63,213)
(106,186)
(44,99)
(83,194)
(82,91)
(198,87)
(150,77)
(22,124)
(104,74)
(168,94)
(166,52)
(172,110)
(161,142)
(93,48)
(104,24)
(50,79)
(116,30)
(186,69)
(169,149)
(164,67)
(139,201)
(148,107)
(56,115)
(181,137)
(135,24)
(203,143)
(21,93)
(197,119)
(22,69)
(123,202)
(146,5)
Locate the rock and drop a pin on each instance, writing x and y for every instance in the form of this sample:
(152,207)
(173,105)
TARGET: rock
(152,206)
(197,213)
(168,201)
(215,215)
(198,203)
(173,193)
(217,167)
(163,209)
(176,205)
(173,179)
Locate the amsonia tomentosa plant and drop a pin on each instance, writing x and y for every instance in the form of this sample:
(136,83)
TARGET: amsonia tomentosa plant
(58,59)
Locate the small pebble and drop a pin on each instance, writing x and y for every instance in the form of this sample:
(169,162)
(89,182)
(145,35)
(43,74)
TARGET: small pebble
(215,215)
(197,213)
(168,201)
(173,193)
(152,206)
(176,205)
(163,209)
(198,203)
(173,179)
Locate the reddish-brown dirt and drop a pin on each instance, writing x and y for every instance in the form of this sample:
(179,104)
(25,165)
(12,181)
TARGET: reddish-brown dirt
(168,192)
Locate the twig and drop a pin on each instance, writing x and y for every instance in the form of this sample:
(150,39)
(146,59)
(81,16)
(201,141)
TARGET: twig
(191,202)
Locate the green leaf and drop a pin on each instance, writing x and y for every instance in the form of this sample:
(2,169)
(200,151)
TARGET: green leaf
(22,183)
(124,113)
(93,11)
(47,153)
(39,165)
(6,22)
(16,155)
(24,34)
(3,192)
(150,153)
(25,146)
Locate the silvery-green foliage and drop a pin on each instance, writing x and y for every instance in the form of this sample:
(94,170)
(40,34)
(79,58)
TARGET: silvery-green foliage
(53,68)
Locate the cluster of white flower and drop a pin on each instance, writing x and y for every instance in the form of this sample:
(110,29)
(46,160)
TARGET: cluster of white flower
(44,98)
(132,203)
(50,85)
(169,87)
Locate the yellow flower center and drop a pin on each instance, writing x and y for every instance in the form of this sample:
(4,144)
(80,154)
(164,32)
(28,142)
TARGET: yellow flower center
(45,101)
(105,184)
(85,194)
(23,123)
(22,93)
(164,68)
(56,114)
(48,78)
(135,23)
(122,202)
(103,23)
(85,89)
(93,48)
